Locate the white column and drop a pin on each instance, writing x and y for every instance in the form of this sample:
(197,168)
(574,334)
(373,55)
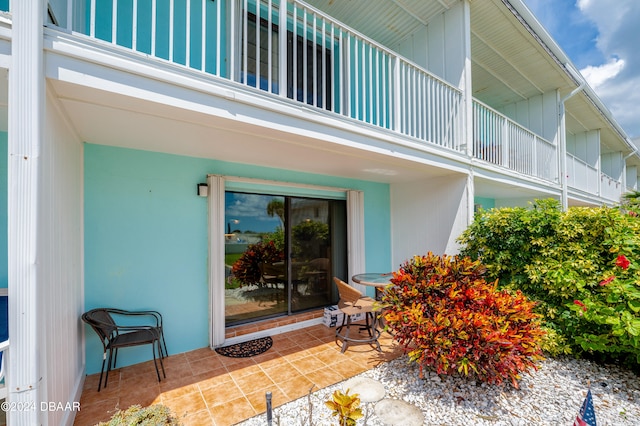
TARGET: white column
(26,120)
(216,260)
(355,236)
(467,89)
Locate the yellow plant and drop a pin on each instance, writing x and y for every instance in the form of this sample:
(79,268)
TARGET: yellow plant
(346,407)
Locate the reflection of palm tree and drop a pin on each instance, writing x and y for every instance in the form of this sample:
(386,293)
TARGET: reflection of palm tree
(276,208)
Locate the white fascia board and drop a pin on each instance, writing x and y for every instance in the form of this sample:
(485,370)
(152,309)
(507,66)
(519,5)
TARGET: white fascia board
(513,178)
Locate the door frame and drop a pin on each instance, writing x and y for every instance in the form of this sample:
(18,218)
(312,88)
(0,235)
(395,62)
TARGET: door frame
(218,184)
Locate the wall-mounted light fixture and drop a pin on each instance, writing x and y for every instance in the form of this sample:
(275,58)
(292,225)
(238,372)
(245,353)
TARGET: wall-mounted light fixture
(203,190)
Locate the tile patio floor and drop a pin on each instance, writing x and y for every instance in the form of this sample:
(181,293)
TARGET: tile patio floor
(204,388)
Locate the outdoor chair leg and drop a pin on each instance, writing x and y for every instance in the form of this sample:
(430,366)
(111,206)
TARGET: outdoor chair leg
(161,363)
(164,343)
(155,364)
(106,377)
(115,359)
(104,358)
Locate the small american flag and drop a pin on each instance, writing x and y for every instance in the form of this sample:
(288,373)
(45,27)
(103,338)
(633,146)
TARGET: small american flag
(586,416)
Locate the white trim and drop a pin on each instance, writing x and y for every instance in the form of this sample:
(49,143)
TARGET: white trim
(216,208)
(355,236)
(4,292)
(283,184)
(216,260)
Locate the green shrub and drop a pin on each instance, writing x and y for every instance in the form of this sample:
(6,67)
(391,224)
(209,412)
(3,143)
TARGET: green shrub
(609,317)
(507,240)
(557,257)
(447,317)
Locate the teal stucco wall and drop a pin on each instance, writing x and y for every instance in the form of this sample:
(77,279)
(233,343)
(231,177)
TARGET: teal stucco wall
(146,238)
(484,203)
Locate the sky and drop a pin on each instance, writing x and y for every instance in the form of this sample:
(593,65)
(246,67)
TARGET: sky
(602,39)
(248,212)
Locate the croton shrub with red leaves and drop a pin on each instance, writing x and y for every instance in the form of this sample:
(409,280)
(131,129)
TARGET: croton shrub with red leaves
(247,268)
(448,318)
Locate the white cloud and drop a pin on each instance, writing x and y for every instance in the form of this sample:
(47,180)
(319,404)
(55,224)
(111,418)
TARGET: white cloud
(617,81)
(597,75)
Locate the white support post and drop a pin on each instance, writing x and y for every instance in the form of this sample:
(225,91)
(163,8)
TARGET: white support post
(468,87)
(26,120)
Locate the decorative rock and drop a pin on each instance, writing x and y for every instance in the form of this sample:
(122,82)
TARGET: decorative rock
(400,413)
(550,396)
(369,390)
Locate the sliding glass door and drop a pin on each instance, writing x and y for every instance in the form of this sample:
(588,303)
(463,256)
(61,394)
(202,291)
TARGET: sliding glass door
(281,253)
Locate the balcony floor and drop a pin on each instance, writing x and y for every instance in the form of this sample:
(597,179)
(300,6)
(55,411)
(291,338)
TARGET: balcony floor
(204,388)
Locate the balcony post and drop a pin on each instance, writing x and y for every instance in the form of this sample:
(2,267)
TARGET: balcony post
(396,94)
(232,35)
(504,161)
(26,122)
(282,49)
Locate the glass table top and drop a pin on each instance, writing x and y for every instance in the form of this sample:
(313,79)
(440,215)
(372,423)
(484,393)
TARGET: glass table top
(373,278)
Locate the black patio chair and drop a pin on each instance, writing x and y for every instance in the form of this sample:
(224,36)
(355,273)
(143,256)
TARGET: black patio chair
(115,336)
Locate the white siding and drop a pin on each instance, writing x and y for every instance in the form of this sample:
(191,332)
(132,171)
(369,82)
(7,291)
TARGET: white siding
(538,114)
(60,251)
(586,146)
(439,46)
(632,178)
(612,165)
(428,216)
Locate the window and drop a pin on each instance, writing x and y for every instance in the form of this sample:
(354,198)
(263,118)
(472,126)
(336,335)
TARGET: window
(309,69)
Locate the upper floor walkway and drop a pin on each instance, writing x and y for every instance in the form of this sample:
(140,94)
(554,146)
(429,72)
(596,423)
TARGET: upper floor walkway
(292,50)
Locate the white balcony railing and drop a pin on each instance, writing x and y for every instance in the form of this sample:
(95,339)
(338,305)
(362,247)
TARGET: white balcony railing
(581,175)
(289,49)
(500,140)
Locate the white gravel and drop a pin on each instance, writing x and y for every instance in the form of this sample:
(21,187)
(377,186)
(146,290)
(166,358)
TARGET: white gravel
(550,396)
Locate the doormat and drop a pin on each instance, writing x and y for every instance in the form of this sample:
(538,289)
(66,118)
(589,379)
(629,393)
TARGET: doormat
(246,349)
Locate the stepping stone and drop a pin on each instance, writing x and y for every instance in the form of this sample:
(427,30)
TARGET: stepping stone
(369,390)
(397,412)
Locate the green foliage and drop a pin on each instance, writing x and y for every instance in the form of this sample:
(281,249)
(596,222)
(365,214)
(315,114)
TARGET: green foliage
(610,315)
(153,415)
(553,343)
(564,256)
(449,318)
(309,237)
(631,202)
(346,407)
(508,239)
